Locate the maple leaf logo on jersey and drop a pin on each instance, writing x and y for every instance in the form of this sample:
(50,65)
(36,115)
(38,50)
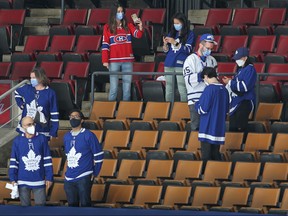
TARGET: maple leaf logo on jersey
(32,111)
(73,158)
(31,161)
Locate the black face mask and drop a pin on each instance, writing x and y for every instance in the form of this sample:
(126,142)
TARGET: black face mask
(75,122)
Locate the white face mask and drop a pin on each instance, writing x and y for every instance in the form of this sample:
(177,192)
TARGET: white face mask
(31,129)
(240,62)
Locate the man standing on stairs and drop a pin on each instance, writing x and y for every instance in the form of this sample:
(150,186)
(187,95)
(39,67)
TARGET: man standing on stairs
(193,66)
(31,164)
(84,161)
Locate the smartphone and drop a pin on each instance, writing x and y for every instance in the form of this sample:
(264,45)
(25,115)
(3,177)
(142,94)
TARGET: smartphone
(135,18)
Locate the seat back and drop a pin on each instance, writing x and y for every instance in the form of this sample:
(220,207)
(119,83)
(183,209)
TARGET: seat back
(282,43)
(5,69)
(226,67)
(56,162)
(119,193)
(98,16)
(281,144)
(229,198)
(36,42)
(159,168)
(231,43)
(272,16)
(75,16)
(194,171)
(284,203)
(108,167)
(97,192)
(176,194)
(180,111)
(155,110)
(143,139)
(78,69)
(57,193)
(206,195)
(129,109)
(103,109)
(274,171)
(115,138)
(265,197)
(218,16)
(143,67)
(193,144)
(246,170)
(5,193)
(12,17)
(154,15)
(277,68)
(52,69)
(268,111)
(130,168)
(259,67)
(147,193)
(98,134)
(22,70)
(129,12)
(244,16)
(88,42)
(233,140)
(217,170)
(62,42)
(172,139)
(258,141)
(261,43)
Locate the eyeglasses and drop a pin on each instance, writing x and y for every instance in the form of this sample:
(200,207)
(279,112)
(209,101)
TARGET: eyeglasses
(208,48)
(74,117)
(29,124)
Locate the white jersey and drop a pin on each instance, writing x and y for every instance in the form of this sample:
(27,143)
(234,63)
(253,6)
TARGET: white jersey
(193,65)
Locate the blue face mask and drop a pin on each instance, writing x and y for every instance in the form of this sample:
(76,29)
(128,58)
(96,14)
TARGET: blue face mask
(206,52)
(178,27)
(119,16)
(34,82)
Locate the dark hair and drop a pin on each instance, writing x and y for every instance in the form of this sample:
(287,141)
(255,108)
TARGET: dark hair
(112,18)
(185,28)
(209,71)
(41,76)
(78,111)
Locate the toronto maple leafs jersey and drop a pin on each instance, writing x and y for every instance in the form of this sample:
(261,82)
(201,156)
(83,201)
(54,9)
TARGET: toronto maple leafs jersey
(84,155)
(41,106)
(31,161)
(118,47)
(242,87)
(212,107)
(176,55)
(193,65)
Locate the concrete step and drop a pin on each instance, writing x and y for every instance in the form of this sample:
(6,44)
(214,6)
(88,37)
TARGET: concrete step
(36,21)
(37,12)
(36,30)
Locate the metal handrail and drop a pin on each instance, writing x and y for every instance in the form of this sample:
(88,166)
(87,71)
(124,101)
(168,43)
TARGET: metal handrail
(10,91)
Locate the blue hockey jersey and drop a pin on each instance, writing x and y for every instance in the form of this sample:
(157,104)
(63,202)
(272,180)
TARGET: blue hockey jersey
(176,55)
(41,105)
(212,107)
(242,87)
(31,161)
(84,155)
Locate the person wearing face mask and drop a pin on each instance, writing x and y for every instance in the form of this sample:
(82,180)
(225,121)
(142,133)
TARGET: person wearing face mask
(213,105)
(117,54)
(242,91)
(39,101)
(84,161)
(177,45)
(193,66)
(31,164)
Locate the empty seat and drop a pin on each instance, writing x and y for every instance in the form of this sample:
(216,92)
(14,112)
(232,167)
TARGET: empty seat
(268,111)
(57,196)
(53,70)
(233,142)
(230,201)
(283,209)
(22,70)
(108,169)
(5,70)
(203,197)
(255,143)
(262,197)
(261,44)
(226,67)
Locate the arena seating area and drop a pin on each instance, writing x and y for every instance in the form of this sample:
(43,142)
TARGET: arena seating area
(152,159)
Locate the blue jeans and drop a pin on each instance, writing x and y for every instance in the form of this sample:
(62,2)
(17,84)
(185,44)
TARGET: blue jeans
(25,196)
(126,80)
(79,191)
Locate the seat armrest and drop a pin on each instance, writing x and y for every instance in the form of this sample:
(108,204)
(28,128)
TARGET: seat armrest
(192,179)
(135,177)
(164,177)
(149,148)
(123,203)
(183,204)
(121,148)
(160,119)
(152,203)
(105,118)
(223,179)
(177,149)
(113,177)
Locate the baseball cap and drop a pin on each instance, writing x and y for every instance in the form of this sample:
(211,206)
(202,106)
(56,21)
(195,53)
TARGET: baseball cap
(240,52)
(208,38)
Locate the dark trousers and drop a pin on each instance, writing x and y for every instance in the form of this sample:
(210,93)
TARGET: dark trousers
(238,122)
(79,192)
(209,152)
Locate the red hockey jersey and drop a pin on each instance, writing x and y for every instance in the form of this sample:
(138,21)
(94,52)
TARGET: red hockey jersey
(118,47)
